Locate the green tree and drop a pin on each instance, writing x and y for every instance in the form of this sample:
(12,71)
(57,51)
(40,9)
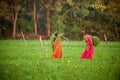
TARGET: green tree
(12,9)
(106,12)
(5,24)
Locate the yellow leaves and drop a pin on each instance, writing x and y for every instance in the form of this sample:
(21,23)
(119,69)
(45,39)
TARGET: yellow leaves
(112,6)
(70,2)
(58,6)
(98,6)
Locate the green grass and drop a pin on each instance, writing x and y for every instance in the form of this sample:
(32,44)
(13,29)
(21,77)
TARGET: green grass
(18,62)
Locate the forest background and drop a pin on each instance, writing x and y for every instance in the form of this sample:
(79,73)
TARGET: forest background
(73,18)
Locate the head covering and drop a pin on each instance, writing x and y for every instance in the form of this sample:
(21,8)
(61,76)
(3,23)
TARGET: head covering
(89,38)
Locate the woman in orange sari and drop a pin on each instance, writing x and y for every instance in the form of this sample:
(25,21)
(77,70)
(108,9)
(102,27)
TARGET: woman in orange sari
(57,47)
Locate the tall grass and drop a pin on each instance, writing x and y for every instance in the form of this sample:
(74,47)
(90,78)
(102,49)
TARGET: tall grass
(18,62)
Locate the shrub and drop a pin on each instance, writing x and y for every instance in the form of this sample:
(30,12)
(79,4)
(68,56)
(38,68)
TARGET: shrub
(52,38)
(96,40)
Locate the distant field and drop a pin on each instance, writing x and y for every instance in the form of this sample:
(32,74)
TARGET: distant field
(20,62)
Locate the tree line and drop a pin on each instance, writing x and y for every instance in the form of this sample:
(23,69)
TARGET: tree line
(73,18)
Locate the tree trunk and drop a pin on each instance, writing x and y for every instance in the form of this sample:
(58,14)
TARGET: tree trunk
(14,17)
(116,33)
(48,22)
(34,14)
(14,26)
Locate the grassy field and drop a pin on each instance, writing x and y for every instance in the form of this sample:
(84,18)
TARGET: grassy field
(20,62)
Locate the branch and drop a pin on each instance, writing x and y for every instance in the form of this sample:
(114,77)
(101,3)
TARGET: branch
(105,40)
(66,40)
(24,38)
(42,48)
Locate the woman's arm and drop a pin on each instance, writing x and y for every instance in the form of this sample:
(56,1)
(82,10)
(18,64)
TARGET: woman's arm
(88,45)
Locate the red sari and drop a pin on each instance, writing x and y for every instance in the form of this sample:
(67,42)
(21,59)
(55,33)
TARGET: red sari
(57,48)
(89,50)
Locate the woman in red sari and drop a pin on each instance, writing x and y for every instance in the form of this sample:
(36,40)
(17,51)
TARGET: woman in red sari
(89,50)
(57,47)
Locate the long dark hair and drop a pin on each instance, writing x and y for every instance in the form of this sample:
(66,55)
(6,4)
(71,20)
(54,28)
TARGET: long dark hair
(56,34)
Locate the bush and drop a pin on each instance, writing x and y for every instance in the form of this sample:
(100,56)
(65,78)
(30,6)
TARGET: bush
(96,40)
(52,37)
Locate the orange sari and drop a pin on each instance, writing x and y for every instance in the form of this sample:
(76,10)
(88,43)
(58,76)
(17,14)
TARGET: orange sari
(57,49)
